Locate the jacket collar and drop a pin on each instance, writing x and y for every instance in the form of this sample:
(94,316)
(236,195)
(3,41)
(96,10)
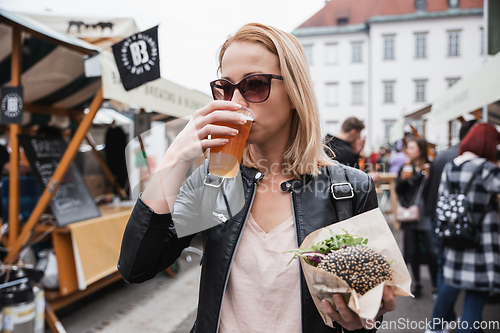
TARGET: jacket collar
(255,175)
(251,174)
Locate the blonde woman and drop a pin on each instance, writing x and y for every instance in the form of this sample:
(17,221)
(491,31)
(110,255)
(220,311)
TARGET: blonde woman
(246,285)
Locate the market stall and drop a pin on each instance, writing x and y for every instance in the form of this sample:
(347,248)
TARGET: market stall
(49,66)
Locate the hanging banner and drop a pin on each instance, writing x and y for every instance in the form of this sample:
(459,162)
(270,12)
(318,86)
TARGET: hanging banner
(11,105)
(161,95)
(137,58)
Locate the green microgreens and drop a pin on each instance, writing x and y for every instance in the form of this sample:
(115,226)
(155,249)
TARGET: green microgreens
(335,242)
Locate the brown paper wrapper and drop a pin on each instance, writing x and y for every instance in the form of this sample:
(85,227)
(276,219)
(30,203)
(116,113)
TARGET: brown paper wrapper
(323,284)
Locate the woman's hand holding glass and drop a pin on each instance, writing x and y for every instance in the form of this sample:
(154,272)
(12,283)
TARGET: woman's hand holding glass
(194,140)
(191,143)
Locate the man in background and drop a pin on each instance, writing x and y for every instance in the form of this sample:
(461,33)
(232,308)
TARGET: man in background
(348,144)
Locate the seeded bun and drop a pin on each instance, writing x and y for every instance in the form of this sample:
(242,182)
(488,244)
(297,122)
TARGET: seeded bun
(360,266)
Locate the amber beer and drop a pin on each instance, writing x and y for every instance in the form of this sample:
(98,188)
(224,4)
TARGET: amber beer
(225,161)
(407,171)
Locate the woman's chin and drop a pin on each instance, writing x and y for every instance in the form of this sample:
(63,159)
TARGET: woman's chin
(252,138)
(250,142)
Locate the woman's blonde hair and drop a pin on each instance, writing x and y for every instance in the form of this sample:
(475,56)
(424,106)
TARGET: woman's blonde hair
(305,154)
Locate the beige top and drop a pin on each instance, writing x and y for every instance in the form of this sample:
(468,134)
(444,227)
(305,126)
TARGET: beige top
(263,293)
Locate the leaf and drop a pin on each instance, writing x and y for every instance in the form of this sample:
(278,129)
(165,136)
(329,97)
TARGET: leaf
(335,242)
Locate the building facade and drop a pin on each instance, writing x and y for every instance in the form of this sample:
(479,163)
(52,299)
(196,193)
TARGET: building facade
(380,60)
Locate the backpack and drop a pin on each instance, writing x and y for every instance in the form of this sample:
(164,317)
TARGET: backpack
(455,224)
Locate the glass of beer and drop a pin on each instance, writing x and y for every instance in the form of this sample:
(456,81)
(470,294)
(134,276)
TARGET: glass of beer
(225,161)
(407,171)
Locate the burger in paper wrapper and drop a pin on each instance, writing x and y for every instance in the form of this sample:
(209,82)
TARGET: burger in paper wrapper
(357,258)
(360,266)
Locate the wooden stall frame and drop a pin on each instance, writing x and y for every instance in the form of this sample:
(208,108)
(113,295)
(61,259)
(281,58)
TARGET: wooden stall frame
(14,143)
(55,181)
(17,243)
(17,238)
(73,114)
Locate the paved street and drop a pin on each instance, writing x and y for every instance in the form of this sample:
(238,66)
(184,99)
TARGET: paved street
(168,305)
(158,305)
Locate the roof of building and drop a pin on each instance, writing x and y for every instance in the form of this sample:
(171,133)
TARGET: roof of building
(335,12)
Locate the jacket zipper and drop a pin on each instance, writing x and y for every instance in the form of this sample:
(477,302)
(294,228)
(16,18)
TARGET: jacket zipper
(232,255)
(297,240)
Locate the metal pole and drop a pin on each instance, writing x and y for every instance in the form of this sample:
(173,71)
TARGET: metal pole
(485,49)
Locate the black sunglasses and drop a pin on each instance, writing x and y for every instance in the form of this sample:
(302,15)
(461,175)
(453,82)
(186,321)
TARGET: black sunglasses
(255,88)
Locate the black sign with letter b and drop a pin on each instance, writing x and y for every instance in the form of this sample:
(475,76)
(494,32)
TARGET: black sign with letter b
(137,58)
(11,105)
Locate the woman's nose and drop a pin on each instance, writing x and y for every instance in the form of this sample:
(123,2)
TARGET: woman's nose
(238,98)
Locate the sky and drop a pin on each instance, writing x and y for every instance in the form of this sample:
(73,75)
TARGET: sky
(191,31)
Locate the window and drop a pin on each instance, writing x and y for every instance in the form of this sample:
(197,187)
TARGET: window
(357,93)
(389,47)
(420,4)
(331,54)
(389,92)
(452,81)
(453,3)
(420,45)
(453,43)
(481,38)
(357,49)
(332,94)
(342,20)
(420,90)
(308,50)
(387,129)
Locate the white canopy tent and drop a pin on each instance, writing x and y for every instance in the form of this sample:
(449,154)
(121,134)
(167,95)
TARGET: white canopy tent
(471,93)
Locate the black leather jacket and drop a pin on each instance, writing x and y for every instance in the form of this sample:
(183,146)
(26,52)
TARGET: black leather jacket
(150,243)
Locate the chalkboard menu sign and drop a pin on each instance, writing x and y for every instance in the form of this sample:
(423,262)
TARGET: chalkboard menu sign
(72,202)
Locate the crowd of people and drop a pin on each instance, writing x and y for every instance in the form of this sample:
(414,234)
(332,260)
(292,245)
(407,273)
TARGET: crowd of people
(421,181)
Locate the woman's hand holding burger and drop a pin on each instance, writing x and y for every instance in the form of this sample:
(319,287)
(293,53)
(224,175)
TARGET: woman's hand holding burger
(349,319)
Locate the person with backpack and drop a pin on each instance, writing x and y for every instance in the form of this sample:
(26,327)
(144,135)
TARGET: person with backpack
(430,200)
(432,189)
(410,187)
(287,182)
(468,227)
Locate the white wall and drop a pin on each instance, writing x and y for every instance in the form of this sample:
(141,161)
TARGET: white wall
(343,73)
(406,68)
